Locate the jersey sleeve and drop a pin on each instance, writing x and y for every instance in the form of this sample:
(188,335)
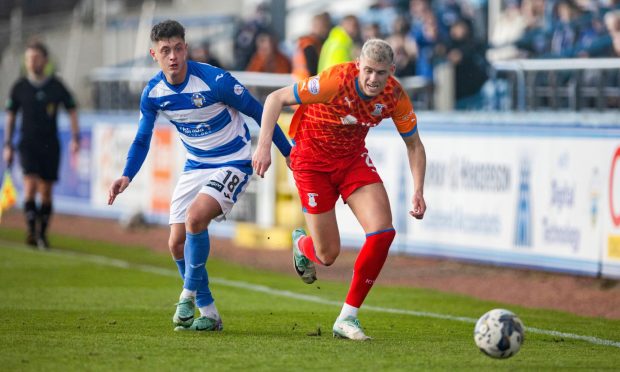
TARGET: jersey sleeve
(142,142)
(233,93)
(66,97)
(404,117)
(321,88)
(12,103)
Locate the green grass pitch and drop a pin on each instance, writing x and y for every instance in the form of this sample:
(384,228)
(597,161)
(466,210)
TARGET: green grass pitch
(97,306)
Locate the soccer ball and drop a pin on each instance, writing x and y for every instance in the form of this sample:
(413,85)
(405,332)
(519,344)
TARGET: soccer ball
(499,333)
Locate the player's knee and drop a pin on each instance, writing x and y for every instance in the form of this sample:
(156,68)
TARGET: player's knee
(195,224)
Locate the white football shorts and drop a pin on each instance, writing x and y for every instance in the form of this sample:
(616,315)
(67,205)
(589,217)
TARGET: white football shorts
(224,184)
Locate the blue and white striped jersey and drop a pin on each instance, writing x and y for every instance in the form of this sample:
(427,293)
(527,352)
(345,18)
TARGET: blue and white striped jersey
(205,109)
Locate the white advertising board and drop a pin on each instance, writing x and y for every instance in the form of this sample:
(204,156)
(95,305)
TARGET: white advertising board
(533,197)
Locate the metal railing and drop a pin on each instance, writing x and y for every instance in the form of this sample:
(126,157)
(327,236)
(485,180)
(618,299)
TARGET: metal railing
(119,88)
(561,84)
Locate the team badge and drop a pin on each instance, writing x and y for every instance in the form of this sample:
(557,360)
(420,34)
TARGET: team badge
(313,85)
(238,89)
(312,199)
(198,100)
(378,109)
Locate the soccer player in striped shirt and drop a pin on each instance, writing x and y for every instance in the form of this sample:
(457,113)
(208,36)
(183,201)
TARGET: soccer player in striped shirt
(204,104)
(329,159)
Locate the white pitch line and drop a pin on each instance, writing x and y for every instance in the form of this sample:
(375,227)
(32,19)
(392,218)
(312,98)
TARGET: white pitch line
(102,260)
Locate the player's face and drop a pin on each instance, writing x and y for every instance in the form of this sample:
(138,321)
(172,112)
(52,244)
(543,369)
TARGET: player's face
(373,76)
(35,61)
(171,56)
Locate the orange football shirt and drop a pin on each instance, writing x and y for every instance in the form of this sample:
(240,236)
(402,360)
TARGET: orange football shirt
(334,115)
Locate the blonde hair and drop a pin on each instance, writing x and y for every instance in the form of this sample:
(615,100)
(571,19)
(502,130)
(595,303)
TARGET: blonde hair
(378,50)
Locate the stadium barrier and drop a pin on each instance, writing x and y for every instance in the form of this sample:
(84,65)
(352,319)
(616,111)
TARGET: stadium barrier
(559,84)
(530,189)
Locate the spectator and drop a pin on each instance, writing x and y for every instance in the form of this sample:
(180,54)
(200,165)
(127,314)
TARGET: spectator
(306,57)
(470,67)
(425,32)
(371,31)
(382,13)
(509,27)
(405,48)
(244,44)
(565,33)
(268,57)
(341,44)
(202,53)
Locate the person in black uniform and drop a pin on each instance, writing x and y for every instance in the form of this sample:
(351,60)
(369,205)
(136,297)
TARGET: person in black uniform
(38,97)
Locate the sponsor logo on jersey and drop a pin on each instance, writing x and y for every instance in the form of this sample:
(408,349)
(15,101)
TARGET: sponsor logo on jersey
(238,89)
(198,99)
(313,85)
(378,109)
(312,199)
(216,185)
(218,77)
(164,104)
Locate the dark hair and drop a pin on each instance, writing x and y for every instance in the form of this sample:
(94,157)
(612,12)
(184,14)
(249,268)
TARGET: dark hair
(166,30)
(37,45)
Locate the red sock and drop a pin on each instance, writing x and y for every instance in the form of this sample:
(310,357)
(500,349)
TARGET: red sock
(307,248)
(368,265)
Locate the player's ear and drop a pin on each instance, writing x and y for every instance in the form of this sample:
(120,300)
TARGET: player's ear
(357,63)
(152,53)
(392,68)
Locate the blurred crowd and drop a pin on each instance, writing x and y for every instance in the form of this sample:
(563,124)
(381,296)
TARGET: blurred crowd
(427,33)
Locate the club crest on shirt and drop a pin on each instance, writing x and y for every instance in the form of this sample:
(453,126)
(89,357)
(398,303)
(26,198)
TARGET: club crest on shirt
(313,85)
(312,199)
(198,99)
(238,89)
(378,109)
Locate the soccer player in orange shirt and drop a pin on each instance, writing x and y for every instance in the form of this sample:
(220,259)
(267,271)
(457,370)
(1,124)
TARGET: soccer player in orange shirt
(329,159)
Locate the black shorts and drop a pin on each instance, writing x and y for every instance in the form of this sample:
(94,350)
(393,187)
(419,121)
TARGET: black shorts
(40,158)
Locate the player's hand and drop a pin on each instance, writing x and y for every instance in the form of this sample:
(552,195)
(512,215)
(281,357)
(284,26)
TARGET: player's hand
(74,146)
(7,155)
(116,188)
(419,206)
(261,160)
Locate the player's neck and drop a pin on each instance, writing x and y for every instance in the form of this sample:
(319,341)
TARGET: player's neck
(37,79)
(178,78)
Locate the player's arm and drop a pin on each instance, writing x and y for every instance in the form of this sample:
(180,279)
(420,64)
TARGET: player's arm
(9,127)
(71,107)
(12,106)
(417,165)
(75,130)
(138,149)
(406,122)
(232,93)
(273,107)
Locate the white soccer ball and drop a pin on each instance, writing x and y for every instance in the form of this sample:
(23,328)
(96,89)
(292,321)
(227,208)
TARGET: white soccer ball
(499,333)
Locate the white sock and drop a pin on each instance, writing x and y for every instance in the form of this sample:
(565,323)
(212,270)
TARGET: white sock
(210,311)
(187,293)
(348,310)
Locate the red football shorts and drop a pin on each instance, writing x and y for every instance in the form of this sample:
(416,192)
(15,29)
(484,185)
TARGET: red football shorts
(319,190)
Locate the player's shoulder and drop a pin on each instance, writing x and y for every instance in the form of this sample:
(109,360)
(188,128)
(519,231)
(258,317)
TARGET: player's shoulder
(208,73)
(20,83)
